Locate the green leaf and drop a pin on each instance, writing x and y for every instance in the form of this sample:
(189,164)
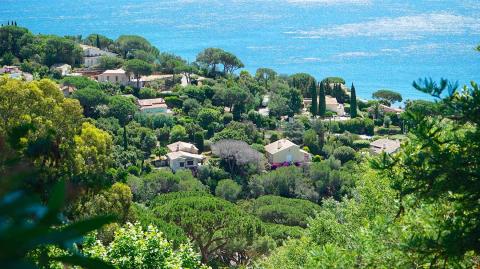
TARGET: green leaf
(83,261)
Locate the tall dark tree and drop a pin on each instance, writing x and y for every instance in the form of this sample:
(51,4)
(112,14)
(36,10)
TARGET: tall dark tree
(313,93)
(353,102)
(322,105)
(97,41)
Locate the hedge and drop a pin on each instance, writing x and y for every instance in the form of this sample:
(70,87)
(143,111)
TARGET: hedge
(357,126)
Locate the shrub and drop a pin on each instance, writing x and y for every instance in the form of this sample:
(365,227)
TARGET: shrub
(387,121)
(274,137)
(361,144)
(178,133)
(258,147)
(227,118)
(317,158)
(207,145)
(147,93)
(284,181)
(133,170)
(150,249)
(330,114)
(389,131)
(173,102)
(344,154)
(228,190)
(357,126)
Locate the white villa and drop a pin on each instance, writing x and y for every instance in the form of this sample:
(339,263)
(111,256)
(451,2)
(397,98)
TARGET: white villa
(64,69)
(118,76)
(91,55)
(331,105)
(285,151)
(183,156)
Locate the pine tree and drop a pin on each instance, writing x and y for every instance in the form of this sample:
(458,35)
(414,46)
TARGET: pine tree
(353,102)
(313,93)
(322,106)
(98,42)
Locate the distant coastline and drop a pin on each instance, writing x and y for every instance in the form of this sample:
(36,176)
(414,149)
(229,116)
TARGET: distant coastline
(372,63)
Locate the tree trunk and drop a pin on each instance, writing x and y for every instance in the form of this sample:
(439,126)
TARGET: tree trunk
(204,254)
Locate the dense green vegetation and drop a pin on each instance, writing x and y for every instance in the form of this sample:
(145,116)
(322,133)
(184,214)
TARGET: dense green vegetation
(111,207)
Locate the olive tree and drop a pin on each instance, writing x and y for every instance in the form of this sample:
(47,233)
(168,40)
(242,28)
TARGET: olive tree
(237,154)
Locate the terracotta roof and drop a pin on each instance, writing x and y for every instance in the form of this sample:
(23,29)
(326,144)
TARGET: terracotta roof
(151,102)
(278,146)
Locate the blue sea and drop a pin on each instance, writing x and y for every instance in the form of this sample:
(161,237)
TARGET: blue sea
(374,44)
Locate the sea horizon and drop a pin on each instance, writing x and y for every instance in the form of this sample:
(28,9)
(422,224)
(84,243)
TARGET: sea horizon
(375,45)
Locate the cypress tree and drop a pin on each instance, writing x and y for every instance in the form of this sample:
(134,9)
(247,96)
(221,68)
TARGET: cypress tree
(98,42)
(353,102)
(322,105)
(313,93)
(337,92)
(199,141)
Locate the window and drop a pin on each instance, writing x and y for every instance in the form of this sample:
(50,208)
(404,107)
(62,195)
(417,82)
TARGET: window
(182,164)
(108,78)
(189,163)
(116,78)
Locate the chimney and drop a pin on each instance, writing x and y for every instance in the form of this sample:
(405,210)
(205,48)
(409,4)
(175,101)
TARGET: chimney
(279,144)
(178,147)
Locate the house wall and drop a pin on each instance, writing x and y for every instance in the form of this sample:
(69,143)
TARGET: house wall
(64,70)
(90,61)
(175,164)
(114,78)
(336,108)
(283,156)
